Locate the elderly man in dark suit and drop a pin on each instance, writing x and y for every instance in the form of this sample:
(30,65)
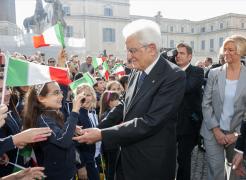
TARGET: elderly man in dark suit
(190,111)
(147,136)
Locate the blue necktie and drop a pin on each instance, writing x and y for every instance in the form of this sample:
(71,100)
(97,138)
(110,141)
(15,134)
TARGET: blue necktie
(141,79)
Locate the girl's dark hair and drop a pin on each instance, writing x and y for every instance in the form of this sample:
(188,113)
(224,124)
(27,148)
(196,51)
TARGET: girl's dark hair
(16,94)
(124,81)
(106,97)
(33,108)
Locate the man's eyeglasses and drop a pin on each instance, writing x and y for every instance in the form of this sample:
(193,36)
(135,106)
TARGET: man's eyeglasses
(134,50)
(55,93)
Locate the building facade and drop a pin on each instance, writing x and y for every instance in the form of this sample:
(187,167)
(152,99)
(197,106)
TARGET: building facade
(100,22)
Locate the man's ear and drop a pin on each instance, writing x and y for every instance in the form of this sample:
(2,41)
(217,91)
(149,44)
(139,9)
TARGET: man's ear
(153,48)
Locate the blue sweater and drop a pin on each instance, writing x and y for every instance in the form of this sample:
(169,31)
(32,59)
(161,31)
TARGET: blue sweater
(86,151)
(57,154)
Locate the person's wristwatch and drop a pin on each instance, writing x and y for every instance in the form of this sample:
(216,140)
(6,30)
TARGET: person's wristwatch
(236,134)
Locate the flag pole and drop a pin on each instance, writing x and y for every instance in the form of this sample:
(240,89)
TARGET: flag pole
(4,78)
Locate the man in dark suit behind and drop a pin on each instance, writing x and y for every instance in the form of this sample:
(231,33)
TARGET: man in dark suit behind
(147,136)
(190,112)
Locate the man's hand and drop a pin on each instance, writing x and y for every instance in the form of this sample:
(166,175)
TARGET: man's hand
(238,158)
(89,136)
(219,136)
(3,114)
(240,171)
(31,135)
(82,173)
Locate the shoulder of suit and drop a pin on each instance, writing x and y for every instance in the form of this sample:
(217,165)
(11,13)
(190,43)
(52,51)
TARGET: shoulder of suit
(196,68)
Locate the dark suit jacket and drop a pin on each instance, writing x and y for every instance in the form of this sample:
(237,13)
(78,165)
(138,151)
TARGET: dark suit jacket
(147,136)
(241,141)
(190,111)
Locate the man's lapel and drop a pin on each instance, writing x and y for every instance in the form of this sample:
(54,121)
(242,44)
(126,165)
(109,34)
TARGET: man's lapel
(147,85)
(131,88)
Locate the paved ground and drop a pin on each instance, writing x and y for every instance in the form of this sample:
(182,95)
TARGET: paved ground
(198,166)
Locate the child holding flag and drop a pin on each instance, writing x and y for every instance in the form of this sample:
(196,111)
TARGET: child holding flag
(88,119)
(41,109)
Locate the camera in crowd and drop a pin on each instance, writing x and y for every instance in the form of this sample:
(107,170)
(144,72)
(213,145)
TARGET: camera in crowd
(169,54)
(82,101)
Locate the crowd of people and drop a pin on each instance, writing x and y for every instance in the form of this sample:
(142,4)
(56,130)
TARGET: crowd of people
(129,127)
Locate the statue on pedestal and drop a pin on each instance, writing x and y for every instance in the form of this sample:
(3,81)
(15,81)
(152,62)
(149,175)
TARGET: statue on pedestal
(44,18)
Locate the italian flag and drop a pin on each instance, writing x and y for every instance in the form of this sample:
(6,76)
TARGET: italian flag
(52,36)
(118,69)
(96,62)
(29,156)
(24,73)
(104,70)
(86,79)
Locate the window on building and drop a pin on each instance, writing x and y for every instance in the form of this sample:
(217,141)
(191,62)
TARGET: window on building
(182,29)
(66,10)
(203,45)
(171,43)
(192,30)
(211,44)
(108,11)
(242,25)
(211,28)
(69,31)
(171,29)
(221,40)
(192,44)
(221,25)
(108,35)
(203,29)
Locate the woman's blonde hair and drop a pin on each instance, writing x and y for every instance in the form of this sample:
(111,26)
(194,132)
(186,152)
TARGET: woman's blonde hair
(91,90)
(240,43)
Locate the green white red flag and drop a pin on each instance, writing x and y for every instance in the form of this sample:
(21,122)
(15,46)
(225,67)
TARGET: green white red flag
(118,69)
(98,61)
(52,36)
(86,79)
(24,73)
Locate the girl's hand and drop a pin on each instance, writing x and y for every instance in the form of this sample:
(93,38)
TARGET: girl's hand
(77,102)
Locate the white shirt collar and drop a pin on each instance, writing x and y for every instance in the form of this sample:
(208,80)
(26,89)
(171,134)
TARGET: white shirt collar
(184,68)
(150,67)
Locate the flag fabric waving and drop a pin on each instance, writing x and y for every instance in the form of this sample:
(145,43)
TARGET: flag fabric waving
(86,79)
(104,70)
(96,62)
(24,73)
(52,36)
(118,69)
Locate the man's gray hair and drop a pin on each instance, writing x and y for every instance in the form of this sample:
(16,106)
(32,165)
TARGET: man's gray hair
(146,31)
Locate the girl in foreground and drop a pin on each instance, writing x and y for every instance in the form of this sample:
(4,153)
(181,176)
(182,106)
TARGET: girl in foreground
(41,109)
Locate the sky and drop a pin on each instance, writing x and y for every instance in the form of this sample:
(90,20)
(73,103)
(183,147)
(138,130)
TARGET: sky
(194,10)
